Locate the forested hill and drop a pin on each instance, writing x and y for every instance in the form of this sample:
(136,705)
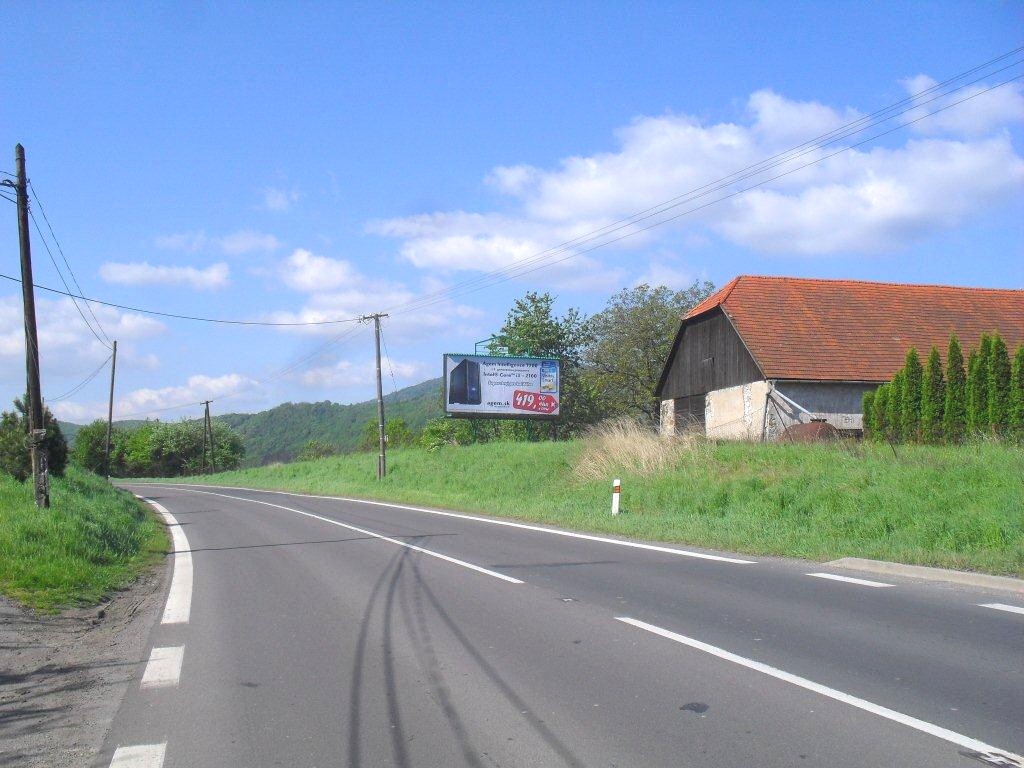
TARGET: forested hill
(280,433)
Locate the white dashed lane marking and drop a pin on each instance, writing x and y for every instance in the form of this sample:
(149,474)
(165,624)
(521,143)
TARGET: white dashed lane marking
(1003,607)
(851,580)
(139,756)
(164,667)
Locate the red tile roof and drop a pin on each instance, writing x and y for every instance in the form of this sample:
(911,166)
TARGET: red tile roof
(850,330)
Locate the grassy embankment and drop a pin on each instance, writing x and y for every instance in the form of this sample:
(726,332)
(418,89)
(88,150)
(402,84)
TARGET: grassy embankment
(958,507)
(93,539)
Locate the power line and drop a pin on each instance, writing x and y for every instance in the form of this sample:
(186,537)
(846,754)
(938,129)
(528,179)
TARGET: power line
(81,384)
(60,250)
(394,384)
(184,317)
(61,276)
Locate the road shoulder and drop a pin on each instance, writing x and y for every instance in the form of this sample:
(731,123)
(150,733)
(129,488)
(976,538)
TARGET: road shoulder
(64,675)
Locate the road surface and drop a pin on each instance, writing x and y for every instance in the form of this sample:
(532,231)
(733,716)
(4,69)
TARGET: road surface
(303,631)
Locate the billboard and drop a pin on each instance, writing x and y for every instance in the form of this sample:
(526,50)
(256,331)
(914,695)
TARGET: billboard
(485,386)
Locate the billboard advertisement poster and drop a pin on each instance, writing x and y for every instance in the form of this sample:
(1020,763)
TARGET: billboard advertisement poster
(485,386)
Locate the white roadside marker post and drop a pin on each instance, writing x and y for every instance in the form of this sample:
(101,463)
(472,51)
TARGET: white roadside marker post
(616,489)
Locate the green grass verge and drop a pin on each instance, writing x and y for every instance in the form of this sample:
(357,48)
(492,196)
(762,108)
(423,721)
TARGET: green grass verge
(957,507)
(93,539)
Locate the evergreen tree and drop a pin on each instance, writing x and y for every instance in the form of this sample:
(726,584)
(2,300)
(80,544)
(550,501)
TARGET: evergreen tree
(1016,398)
(913,375)
(933,394)
(954,410)
(894,407)
(998,385)
(977,388)
(868,412)
(879,427)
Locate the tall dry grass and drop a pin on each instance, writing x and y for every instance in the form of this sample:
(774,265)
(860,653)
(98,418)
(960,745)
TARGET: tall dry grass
(628,446)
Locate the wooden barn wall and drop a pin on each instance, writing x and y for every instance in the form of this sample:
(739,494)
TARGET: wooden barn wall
(711,356)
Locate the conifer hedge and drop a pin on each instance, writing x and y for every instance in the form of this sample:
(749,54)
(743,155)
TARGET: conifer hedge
(936,404)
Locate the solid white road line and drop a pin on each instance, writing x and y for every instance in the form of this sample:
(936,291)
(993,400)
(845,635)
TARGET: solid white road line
(898,717)
(1003,607)
(375,535)
(139,756)
(508,523)
(179,599)
(164,667)
(851,580)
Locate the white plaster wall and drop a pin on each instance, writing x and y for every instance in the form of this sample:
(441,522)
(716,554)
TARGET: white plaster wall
(667,418)
(736,413)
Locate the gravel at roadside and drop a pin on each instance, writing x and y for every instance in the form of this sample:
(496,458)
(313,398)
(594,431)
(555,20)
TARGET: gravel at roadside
(62,677)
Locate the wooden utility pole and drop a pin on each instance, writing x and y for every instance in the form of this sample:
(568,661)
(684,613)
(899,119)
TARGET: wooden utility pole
(382,466)
(208,428)
(110,414)
(206,418)
(34,406)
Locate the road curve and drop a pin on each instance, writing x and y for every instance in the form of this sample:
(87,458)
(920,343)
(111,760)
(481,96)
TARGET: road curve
(326,632)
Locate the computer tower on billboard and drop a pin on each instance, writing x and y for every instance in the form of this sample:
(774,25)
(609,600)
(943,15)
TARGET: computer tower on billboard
(464,384)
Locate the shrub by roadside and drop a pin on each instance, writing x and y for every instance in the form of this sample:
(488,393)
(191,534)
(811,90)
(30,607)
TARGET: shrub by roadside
(94,538)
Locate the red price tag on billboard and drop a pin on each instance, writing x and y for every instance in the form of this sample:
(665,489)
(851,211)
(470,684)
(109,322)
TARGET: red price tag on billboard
(534,401)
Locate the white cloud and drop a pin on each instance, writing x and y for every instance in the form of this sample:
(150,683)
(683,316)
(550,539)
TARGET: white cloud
(190,242)
(247,241)
(67,349)
(278,200)
(337,290)
(345,374)
(144,273)
(983,113)
(305,271)
(195,389)
(663,272)
(861,200)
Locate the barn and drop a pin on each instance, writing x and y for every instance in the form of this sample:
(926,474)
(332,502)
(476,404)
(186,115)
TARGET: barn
(764,353)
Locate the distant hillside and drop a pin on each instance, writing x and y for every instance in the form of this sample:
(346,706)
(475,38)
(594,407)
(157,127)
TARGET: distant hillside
(280,433)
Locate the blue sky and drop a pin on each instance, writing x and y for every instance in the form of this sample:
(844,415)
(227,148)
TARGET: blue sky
(314,161)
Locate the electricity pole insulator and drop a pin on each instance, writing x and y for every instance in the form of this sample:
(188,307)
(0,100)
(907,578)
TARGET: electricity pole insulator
(110,414)
(34,406)
(382,466)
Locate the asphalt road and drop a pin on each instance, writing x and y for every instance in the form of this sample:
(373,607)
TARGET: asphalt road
(312,641)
